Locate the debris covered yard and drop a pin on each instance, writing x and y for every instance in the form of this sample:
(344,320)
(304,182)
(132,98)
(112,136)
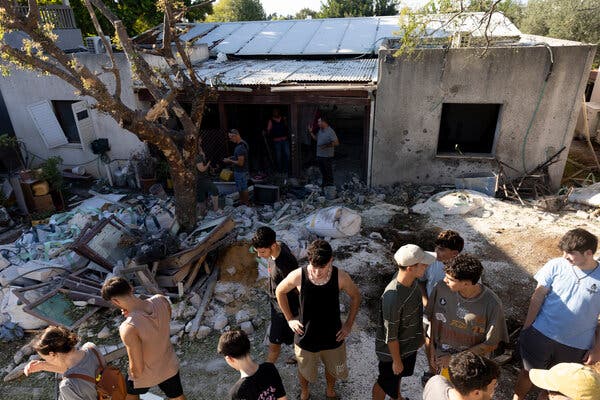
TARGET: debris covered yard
(513,242)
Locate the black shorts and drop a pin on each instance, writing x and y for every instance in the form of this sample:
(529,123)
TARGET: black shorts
(540,352)
(388,381)
(280,332)
(170,387)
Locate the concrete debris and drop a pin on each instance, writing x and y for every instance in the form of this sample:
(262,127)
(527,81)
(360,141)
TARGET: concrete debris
(176,327)
(220,322)
(334,222)
(455,202)
(203,331)
(104,333)
(589,195)
(247,327)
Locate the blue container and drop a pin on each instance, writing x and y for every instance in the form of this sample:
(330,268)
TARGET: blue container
(480,182)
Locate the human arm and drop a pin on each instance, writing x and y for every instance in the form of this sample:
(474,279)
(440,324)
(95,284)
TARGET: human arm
(293,280)
(347,285)
(397,365)
(239,161)
(34,366)
(423,289)
(133,345)
(593,355)
(535,304)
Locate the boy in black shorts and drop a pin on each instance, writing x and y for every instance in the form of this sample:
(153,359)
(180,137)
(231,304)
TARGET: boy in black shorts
(400,328)
(257,382)
(281,263)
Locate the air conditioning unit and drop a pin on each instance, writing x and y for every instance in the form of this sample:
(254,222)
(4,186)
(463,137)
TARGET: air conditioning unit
(94,44)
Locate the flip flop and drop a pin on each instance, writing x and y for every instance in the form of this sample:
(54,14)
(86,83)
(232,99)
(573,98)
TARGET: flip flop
(336,397)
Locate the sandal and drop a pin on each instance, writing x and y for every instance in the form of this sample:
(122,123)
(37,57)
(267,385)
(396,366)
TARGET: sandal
(336,397)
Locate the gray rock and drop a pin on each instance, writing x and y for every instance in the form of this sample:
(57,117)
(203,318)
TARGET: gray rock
(242,316)
(376,235)
(174,339)
(176,327)
(247,327)
(195,300)
(203,331)
(220,322)
(104,333)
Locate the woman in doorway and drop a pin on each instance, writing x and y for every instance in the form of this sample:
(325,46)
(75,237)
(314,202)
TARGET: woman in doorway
(204,185)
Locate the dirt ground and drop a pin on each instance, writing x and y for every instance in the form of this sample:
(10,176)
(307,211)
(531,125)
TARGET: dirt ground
(512,241)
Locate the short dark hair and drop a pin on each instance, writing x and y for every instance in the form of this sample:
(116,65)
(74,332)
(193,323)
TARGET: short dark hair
(55,339)
(319,253)
(263,238)
(469,372)
(324,118)
(578,240)
(114,287)
(234,343)
(464,267)
(449,239)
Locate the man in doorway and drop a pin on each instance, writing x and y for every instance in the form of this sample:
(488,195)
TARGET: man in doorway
(239,161)
(400,327)
(464,314)
(281,262)
(326,143)
(471,377)
(277,130)
(146,335)
(562,321)
(320,333)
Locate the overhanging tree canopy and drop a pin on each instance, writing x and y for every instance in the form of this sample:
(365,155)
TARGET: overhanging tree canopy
(40,52)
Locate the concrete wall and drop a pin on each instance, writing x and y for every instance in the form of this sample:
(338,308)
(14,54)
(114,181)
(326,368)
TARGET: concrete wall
(68,39)
(411,92)
(22,88)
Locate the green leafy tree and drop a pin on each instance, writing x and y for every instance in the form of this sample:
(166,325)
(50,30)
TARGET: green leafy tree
(346,8)
(237,10)
(306,13)
(577,20)
(512,9)
(137,15)
(385,7)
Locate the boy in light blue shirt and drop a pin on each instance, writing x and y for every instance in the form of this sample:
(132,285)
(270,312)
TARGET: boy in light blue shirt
(562,320)
(448,245)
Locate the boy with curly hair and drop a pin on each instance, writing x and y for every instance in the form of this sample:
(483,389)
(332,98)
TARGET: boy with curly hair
(464,314)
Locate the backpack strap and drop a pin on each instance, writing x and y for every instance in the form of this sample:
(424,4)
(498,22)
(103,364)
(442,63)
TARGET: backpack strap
(82,376)
(100,363)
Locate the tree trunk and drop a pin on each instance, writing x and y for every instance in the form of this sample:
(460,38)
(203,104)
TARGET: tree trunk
(184,188)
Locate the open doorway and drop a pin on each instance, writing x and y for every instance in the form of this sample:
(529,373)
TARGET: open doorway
(350,123)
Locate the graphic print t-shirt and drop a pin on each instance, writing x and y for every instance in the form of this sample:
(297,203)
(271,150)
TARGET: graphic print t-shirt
(265,384)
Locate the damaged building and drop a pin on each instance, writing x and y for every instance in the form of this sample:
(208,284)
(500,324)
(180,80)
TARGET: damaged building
(468,100)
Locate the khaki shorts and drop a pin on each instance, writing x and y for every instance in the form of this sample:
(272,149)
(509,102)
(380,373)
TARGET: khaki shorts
(334,361)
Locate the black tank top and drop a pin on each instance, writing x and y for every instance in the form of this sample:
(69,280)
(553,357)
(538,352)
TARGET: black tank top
(278,129)
(319,313)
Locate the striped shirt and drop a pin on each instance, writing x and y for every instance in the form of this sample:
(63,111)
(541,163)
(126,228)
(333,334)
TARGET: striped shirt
(400,318)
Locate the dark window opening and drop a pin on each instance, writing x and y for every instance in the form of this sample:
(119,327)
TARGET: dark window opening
(66,119)
(468,129)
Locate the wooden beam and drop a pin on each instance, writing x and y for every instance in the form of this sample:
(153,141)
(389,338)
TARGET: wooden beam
(208,292)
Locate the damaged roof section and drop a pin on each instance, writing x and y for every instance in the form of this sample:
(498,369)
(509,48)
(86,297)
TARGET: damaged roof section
(335,36)
(276,72)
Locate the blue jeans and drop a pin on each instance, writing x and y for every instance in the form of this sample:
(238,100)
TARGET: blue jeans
(282,155)
(241,180)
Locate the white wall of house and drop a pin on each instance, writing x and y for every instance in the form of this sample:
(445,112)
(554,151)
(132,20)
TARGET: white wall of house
(24,88)
(412,92)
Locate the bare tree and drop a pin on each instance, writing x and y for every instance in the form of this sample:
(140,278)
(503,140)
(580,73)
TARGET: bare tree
(40,52)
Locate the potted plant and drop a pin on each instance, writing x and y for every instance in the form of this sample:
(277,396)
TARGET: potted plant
(49,171)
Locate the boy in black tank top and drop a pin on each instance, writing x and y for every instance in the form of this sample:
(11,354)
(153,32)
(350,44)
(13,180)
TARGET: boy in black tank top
(320,333)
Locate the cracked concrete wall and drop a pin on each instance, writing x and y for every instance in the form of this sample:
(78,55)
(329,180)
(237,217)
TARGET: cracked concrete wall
(411,92)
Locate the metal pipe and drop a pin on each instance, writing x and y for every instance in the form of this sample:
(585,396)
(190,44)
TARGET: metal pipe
(371,135)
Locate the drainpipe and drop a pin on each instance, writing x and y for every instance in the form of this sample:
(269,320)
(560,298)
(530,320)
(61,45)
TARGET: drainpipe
(371,134)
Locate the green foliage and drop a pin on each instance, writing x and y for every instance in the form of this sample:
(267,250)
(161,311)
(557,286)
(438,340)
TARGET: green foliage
(8,141)
(50,172)
(346,8)
(512,9)
(577,20)
(305,13)
(384,7)
(137,15)
(237,10)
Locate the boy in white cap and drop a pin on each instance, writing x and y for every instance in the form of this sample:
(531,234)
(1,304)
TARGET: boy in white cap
(400,328)
(568,381)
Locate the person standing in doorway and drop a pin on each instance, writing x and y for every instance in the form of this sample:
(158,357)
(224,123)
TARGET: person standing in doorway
(239,160)
(326,143)
(146,335)
(277,130)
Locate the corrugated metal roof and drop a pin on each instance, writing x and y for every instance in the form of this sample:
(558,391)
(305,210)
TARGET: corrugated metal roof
(333,35)
(275,72)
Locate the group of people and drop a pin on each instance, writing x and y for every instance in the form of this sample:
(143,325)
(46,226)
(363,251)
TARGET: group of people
(435,299)
(277,130)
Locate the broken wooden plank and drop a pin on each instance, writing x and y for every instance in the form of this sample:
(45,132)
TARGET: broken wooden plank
(208,292)
(189,281)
